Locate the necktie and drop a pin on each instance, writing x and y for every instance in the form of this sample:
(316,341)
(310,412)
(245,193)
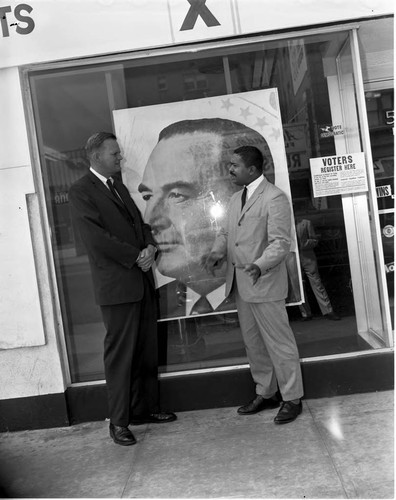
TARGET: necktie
(131,216)
(201,306)
(243,199)
(109,182)
(119,195)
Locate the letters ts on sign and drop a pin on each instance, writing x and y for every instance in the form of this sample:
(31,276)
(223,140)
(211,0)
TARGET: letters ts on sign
(198,8)
(20,17)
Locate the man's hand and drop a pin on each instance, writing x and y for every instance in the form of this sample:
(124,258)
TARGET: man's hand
(211,261)
(310,243)
(253,271)
(146,258)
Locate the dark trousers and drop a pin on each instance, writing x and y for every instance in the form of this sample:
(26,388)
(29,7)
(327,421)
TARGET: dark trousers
(131,357)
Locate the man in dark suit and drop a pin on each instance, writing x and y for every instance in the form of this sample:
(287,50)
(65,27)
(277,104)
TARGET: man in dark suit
(121,251)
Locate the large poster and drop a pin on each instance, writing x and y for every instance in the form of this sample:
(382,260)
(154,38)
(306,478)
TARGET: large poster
(176,167)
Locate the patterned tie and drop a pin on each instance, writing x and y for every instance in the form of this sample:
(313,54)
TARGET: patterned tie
(201,306)
(243,199)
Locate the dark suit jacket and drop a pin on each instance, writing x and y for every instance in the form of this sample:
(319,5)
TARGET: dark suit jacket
(112,242)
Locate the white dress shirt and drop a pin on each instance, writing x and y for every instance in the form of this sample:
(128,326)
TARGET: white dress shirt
(251,188)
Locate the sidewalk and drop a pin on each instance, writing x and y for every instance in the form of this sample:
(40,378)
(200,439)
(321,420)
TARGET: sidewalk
(339,447)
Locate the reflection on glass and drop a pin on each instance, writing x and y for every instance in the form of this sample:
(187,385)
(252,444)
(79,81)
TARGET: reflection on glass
(381,116)
(201,342)
(59,97)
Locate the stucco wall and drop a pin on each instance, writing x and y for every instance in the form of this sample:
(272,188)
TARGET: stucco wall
(67,28)
(30,362)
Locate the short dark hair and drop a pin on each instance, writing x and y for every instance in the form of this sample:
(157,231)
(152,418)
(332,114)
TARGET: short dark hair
(96,140)
(234,134)
(220,126)
(251,156)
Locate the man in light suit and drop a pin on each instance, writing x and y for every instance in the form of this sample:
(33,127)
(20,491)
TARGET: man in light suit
(307,241)
(121,251)
(256,241)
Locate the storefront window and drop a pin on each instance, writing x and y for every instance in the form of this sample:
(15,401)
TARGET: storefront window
(381,117)
(72,103)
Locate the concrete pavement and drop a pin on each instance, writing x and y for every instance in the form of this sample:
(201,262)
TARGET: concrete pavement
(339,447)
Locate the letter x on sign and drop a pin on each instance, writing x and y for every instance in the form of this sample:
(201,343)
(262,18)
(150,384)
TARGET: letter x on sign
(198,8)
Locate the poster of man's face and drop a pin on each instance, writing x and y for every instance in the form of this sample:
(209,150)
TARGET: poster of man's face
(183,183)
(176,168)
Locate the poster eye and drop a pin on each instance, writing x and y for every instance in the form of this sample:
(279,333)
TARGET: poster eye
(178,197)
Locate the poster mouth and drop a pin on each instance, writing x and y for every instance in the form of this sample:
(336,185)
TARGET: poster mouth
(168,246)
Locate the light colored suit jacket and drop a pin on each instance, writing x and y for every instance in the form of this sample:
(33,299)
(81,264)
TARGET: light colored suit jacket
(259,234)
(307,240)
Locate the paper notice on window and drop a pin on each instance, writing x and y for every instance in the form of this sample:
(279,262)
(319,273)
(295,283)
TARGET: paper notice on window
(343,174)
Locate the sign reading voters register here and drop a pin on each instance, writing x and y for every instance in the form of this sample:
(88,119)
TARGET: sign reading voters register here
(341,174)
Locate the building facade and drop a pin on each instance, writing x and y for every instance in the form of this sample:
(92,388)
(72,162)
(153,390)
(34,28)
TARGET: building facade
(69,69)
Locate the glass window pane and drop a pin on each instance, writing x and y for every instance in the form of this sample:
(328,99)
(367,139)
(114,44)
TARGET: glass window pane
(380,109)
(71,104)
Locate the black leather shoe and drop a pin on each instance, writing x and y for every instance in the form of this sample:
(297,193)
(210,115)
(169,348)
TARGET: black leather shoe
(306,318)
(332,316)
(122,435)
(288,412)
(153,418)
(259,403)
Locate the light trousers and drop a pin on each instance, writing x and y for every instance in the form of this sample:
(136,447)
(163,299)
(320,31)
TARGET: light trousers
(309,265)
(271,348)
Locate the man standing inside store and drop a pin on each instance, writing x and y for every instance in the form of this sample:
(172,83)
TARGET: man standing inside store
(256,240)
(121,251)
(307,241)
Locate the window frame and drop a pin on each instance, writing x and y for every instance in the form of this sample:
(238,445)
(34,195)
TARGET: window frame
(223,47)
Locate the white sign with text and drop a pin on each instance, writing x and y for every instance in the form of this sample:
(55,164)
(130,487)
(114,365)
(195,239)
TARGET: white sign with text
(341,174)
